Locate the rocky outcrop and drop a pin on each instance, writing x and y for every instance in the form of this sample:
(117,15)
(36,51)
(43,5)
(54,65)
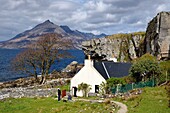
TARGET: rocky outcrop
(124,47)
(73,67)
(157,38)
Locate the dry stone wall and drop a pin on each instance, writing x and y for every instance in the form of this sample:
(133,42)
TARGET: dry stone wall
(26,92)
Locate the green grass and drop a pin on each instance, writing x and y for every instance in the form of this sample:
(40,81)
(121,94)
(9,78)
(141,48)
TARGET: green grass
(152,100)
(49,105)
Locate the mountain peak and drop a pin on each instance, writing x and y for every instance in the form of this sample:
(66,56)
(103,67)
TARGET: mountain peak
(45,24)
(48,21)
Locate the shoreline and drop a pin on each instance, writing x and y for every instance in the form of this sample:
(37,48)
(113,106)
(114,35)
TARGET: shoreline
(31,81)
(13,79)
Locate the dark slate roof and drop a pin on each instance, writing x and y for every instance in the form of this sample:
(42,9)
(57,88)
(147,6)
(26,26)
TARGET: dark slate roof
(114,69)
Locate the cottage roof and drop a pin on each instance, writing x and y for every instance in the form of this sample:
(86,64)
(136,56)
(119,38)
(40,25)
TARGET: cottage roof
(112,69)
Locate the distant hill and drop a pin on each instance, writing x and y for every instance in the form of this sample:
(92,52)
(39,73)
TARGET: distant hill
(27,37)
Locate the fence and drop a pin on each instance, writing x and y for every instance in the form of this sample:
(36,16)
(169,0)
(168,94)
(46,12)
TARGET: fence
(125,88)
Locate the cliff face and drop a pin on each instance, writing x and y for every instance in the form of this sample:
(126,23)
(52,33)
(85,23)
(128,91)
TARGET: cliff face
(124,47)
(157,39)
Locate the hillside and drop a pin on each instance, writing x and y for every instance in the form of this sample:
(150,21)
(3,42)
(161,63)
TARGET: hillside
(152,100)
(27,37)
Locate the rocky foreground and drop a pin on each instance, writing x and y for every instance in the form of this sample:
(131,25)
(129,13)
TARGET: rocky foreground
(46,90)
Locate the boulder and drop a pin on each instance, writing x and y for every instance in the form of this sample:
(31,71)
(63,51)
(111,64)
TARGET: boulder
(73,67)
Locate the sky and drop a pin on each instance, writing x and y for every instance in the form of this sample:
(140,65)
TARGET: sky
(96,16)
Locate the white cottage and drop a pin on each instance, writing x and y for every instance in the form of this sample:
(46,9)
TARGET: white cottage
(89,75)
(94,73)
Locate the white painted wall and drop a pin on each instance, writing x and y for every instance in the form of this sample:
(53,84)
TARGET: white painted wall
(113,59)
(89,75)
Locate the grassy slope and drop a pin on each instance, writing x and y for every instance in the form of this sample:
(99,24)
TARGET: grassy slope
(152,100)
(49,105)
(126,35)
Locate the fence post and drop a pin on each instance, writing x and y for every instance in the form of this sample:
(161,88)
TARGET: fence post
(153,82)
(117,88)
(132,86)
(166,76)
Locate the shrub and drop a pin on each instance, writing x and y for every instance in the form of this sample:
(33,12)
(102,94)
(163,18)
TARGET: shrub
(85,88)
(144,68)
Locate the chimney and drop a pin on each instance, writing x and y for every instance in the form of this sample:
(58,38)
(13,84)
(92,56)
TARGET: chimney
(89,57)
(88,62)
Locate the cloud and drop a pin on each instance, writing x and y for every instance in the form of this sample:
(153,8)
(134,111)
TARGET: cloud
(64,6)
(97,16)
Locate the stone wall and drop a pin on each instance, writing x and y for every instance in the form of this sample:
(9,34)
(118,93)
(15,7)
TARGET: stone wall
(157,38)
(26,92)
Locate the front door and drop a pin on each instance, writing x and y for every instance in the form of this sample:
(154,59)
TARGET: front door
(75,91)
(96,88)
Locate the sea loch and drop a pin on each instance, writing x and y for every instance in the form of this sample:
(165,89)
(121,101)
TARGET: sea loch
(6,56)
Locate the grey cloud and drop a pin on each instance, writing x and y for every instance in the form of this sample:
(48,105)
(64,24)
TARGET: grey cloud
(108,16)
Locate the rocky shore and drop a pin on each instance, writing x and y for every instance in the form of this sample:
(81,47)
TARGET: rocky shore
(31,82)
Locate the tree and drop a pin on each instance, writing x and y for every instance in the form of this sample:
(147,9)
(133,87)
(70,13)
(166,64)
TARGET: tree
(165,66)
(113,81)
(26,62)
(104,89)
(85,88)
(145,68)
(41,55)
(129,79)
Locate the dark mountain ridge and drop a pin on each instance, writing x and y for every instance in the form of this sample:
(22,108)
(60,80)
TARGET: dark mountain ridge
(24,39)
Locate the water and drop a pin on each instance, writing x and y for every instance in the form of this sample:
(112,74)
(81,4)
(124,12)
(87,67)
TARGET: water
(6,55)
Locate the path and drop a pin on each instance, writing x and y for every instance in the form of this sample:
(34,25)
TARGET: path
(123,107)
